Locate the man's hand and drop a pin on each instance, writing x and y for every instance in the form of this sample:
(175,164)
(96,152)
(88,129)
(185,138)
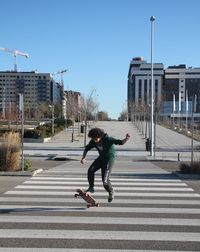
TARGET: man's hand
(126,138)
(82,160)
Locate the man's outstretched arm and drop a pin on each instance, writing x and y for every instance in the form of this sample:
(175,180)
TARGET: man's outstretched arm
(83,157)
(126,138)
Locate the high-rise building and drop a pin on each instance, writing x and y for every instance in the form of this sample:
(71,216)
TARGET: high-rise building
(139,84)
(183,84)
(177,88)
(36,88)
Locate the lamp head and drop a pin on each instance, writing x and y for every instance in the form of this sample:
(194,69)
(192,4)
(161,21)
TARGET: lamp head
(152,18)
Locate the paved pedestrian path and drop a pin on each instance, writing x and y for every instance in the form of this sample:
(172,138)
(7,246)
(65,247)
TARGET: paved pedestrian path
(152,211)
(170,145)
(165,138)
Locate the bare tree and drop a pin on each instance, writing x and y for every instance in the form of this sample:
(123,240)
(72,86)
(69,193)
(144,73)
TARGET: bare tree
(123,115)
(89,109)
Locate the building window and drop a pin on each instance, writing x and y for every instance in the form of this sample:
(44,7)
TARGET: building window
(149,86)
(156,86)
(140,90)
(145,91)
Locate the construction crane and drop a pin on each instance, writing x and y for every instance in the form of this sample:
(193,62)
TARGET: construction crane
(61,75)
(14,54)
(62,92)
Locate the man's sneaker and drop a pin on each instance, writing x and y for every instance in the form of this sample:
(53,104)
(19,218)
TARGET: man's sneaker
(111,197)
(90,190)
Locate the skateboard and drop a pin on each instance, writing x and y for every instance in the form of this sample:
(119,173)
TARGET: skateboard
(91,202)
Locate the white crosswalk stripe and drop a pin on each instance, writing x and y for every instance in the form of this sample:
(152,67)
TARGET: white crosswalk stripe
(82,183)
(100,235)
(146,215)
(53,187)
(129,194)
(102,220)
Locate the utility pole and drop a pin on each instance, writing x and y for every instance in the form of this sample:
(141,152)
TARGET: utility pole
(152,19)
(52,118)
(21,109)
(194,103)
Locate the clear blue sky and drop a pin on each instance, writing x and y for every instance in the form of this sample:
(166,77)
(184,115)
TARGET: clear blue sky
(96,39)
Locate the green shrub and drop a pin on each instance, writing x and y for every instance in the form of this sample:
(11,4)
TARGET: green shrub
(43,131)
(31,133)
(63,122)
(27,164)
(196,167)
(190,168)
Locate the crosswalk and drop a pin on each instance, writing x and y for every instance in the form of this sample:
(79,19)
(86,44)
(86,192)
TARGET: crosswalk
(147,214)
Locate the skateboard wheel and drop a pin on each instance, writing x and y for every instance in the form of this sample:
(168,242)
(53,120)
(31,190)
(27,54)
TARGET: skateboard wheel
(76,195)
(97,205)
(88,206)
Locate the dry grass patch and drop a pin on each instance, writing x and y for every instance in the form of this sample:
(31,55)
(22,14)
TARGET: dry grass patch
(10,152)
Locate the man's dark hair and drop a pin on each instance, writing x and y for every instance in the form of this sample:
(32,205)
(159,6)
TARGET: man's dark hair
(96,133)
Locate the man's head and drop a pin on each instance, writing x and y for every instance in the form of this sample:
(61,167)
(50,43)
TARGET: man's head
(96,134)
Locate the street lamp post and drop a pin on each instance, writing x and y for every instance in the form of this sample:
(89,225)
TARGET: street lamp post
(52,118)
(21,109)
(152,19)
(194,101)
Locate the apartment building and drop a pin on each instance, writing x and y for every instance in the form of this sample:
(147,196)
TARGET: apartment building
(36,87)
(74,105)
(181,84)
(139,83)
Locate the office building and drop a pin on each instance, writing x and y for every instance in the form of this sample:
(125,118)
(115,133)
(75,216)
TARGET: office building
(181,84)
(139,84)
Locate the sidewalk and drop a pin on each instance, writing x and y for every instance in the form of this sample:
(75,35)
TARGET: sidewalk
(113,128)
(170,145)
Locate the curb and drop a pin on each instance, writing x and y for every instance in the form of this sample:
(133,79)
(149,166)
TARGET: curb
(187,176)
(21,173)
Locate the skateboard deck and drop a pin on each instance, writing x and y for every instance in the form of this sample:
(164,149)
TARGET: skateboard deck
(91,202)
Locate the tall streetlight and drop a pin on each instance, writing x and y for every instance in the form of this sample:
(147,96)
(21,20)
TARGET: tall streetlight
(21,109)
(152,19)
(52,118)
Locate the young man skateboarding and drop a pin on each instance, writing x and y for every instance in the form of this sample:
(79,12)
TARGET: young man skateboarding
(105,161)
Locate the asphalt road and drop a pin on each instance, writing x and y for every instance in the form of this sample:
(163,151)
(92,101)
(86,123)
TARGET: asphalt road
(153,210)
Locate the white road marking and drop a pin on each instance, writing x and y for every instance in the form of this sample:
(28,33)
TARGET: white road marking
(99,179)
(81,183)
(100,235)
(100,220)
(126,194)
(102,200)
(61,187)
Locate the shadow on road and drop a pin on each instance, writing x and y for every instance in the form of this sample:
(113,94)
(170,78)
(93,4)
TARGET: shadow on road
(39,209)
